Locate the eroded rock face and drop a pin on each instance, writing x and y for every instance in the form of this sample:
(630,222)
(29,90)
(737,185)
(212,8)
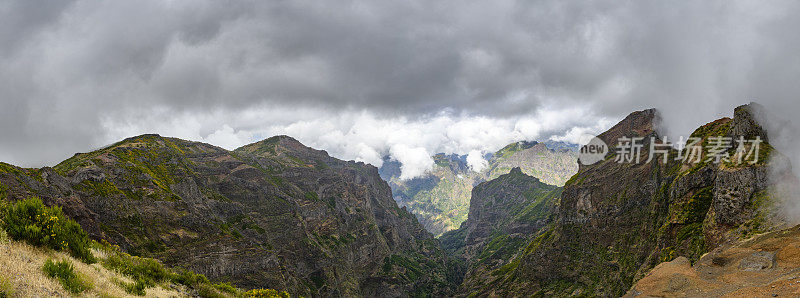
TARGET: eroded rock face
(734,191)
(616,221)
(273,214)
(746,122)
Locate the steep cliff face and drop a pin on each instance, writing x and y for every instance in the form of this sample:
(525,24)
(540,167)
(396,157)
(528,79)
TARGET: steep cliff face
(504,213)
(617,220)
(273,214)
(440,199)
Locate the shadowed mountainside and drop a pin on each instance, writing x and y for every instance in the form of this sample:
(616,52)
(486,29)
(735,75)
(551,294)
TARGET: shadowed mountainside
(504,213)
(273,214)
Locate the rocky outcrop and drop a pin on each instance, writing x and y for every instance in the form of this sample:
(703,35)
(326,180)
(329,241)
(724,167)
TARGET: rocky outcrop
(504,213)
(616,221)
(746,122)
(273,214)
(637,124)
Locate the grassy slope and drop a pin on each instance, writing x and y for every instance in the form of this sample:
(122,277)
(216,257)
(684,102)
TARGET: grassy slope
(21,271)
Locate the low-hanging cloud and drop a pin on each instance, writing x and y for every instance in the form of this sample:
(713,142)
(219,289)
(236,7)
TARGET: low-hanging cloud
(475,161)
(363,135)
(360,78)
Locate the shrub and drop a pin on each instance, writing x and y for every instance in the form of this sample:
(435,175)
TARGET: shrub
(30,221)
(65,273)
(3,235)
(188,278)
(145,272)
(208,291)
(134,288)
(266,293)
(226,287)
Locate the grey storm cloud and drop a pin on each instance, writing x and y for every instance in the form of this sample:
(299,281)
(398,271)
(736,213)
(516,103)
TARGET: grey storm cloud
(69,68)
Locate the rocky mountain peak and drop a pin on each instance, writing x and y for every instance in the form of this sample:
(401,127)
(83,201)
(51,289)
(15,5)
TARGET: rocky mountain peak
(637,124)
(516,171)
(652,211)
(515,147)
(280,146)
(540,147)
(747,122)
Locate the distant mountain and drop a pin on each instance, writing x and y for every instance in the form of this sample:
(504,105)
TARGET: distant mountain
(440,199)
(503,214)
(273,214)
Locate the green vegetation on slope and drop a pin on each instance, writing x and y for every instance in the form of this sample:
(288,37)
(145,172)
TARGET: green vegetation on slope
(440,200)
(146,272)
(224,213)
(65,273)
(20,221)
(508,211)
(29,220)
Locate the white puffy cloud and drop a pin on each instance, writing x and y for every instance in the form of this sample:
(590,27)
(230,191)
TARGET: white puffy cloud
(475,161)
(226,137)
(361,135)
(415,161)
(583,134)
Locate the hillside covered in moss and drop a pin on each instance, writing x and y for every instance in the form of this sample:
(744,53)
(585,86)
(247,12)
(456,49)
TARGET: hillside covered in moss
(273,214)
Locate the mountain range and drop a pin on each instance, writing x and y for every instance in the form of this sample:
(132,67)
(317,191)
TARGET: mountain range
(277,214)
(273,214)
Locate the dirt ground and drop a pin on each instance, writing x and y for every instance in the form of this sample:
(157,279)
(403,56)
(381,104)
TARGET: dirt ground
(766,265)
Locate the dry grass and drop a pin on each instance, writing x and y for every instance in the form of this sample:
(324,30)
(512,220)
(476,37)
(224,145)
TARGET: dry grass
(21,268)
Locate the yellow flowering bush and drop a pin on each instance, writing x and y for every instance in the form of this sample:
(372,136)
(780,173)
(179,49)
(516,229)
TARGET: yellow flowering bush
(31,221)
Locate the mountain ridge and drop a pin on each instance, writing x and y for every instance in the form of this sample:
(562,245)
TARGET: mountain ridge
(281,215)
(616,221)
(272,214)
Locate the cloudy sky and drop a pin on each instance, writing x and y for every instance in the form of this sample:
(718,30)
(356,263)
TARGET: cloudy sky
(366,79)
